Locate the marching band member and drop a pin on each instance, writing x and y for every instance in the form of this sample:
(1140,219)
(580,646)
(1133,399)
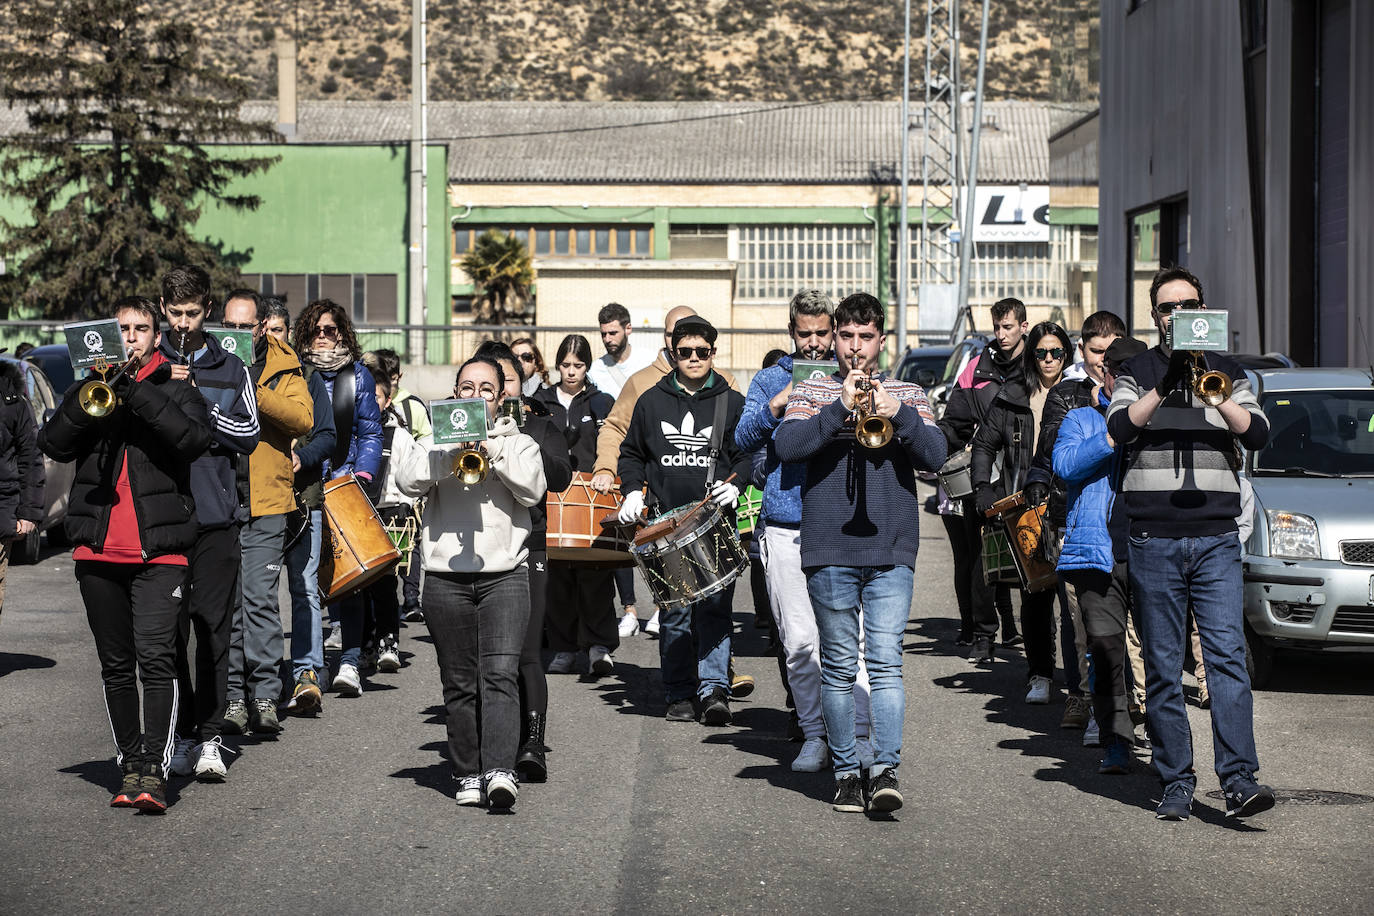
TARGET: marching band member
(476,587)
(671,446)
(858,541)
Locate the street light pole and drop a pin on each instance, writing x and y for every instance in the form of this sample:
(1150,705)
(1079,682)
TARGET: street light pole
(903,233)
(966,243)
(418,307)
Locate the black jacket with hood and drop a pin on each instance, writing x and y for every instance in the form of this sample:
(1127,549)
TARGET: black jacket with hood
(580,421)
(1008,430)
(668,443)
(21,463)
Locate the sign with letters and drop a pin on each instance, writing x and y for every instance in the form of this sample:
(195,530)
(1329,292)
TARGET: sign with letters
(459,420)
(1199,329)
(1011,213)
(93,343)
(804,370)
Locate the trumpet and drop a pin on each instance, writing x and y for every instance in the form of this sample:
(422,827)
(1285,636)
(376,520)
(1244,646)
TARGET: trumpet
(1210,386)
(471,466)
(871,430)
(96,397)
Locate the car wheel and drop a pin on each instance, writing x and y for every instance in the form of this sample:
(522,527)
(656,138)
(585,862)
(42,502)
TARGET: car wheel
(1259,659)
(25,552)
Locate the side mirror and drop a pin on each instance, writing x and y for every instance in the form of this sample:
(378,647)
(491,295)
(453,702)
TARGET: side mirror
(925,378)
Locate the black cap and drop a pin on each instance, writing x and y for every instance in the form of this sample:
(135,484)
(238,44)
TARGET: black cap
(694,326)
(1122,349)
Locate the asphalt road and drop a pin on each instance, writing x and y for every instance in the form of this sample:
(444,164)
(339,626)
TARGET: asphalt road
(353,812)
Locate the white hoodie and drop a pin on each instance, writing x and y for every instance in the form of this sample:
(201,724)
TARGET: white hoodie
(480,528)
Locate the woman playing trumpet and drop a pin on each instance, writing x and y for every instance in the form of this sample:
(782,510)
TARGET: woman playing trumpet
(476,591)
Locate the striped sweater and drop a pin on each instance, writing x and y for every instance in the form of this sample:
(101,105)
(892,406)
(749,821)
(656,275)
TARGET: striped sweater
(859,505)
(1180,471)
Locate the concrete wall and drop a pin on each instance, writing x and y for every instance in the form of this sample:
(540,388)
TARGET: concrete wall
(1173,125)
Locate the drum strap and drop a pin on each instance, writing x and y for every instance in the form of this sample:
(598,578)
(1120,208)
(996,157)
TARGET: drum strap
(717,437)
(345,398)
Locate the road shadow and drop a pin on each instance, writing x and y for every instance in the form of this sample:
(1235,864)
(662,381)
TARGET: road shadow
(106,775)
(11,662)
(939,633)
(1320,673)
(632,690)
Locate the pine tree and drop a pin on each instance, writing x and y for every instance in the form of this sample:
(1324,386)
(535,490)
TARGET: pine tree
(113,170)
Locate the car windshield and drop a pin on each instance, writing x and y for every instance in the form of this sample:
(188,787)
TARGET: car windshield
(915,362)
(1318,434)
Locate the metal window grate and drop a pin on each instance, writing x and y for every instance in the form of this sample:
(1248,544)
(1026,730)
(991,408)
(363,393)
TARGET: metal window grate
(1357,553)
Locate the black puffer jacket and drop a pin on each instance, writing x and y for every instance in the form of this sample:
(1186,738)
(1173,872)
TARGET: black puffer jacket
(969,403)
(540,427)
(580,421)
(162,426)
(1061,399)
(21,464)
(1009,430)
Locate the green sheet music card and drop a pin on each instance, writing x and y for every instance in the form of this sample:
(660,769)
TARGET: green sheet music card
(1199,329)
(239,343)
(459,420)
(804,370)
(90,343)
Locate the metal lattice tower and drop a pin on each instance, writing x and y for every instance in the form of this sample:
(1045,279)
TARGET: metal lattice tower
(941,177)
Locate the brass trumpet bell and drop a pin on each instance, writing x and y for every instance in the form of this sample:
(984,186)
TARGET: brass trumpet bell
(471,466)
(97,398)
(873,431)
(1212,387)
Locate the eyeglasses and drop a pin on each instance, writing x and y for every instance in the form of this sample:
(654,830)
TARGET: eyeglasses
(701,352)
(526,357)
(1165,308)
(327,331)
(239,325)
(1055,352)
(470,390)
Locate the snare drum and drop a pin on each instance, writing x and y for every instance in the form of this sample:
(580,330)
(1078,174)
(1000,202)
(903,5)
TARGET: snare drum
(576,533)
(750,505)
(956,476)
(355,550)
(1024,532)
(689,554)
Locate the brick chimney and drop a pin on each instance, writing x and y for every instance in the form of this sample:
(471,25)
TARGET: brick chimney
(286,87)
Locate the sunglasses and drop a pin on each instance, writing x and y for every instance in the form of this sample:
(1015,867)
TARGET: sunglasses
(1165,308)
(239,325)
(1054,353)
(526,357)
(701,352)
(327,331)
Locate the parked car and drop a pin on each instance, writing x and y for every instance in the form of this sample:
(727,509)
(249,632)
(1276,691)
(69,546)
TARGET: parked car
(58,485)
(962,352)
(924,365)
(56,364)
(1309,563)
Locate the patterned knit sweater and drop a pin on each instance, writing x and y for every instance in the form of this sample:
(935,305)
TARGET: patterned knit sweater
(859,505)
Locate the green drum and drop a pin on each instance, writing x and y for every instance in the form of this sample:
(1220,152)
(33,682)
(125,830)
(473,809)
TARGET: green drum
(747,514)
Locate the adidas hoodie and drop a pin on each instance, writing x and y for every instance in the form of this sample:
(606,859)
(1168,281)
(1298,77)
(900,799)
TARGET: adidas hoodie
(667,445)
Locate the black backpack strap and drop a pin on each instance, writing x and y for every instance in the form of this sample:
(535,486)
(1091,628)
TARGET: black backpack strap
(345,403)
(717,437)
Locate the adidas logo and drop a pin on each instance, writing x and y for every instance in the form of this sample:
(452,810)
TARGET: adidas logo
(687,440)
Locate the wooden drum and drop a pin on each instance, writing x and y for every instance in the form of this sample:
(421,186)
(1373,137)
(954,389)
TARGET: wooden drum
(355,548)
(1026,536)
(582,527)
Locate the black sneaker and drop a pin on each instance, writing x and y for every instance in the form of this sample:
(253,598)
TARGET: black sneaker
(681,711)
(715,707)
(129,788)
(411,613)
(883,794)
(263,716)
(1177,803)
(1245,797)
(983,650)
(152,790)
(1013,640)
(849,794)
(964,640)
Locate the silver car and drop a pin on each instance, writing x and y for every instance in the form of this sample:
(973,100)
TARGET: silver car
(1309,563)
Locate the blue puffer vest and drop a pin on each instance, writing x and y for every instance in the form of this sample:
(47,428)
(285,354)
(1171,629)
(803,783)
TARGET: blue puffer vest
(1084,460)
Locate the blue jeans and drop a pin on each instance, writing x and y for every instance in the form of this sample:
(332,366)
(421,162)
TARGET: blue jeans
(303,579)
(884,594)
(709,620)
(1164,573)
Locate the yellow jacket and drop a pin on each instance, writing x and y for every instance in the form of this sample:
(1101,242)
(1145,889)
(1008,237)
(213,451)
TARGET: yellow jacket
(285,411)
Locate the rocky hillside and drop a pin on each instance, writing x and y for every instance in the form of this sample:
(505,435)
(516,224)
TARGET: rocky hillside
(647,49)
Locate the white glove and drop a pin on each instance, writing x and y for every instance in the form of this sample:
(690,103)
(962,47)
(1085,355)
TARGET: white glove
(631,507)
(724,493)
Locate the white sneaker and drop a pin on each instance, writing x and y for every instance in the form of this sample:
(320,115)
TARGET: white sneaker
(1092,736)
(501,789)
(210,764)
(652,626)
(389,660)
(629,626)
(814,756)
(599,661)
(335,638)
(1039,692)
(562,663)
(347,683)
(183,763)
(863,749)
(470,792)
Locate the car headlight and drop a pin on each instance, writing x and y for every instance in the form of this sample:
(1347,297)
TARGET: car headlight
(1292,536)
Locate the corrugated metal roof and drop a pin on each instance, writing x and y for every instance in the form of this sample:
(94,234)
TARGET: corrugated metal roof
(681,142)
